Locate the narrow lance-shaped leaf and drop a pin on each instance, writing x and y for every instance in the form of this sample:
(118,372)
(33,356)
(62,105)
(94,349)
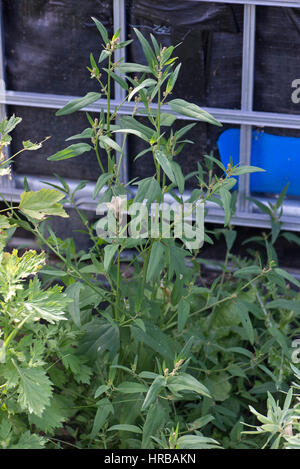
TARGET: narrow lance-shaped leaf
(102,30)
(192,110)
(78,104)
(70,152)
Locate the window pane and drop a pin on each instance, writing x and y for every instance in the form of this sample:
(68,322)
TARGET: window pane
(59,128)
(277,62)
(210,37)
(48,43)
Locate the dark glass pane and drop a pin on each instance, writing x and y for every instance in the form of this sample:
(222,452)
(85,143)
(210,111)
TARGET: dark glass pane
(205,138)
(40,123)
(211,37)
(48,43)
(277,62)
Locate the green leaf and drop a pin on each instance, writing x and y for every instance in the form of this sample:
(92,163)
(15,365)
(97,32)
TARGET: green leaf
(53,416)
(132,388)
(109,252)
(133,132)
(72,151)
(34,390)
(102,30)
(105,408)
(246,271)
(102,389)
(128,67)
(125,428)
(78,104)
(149,54)
(100,335)
(165,164)
(287,276)
(183,314)
(128,122)
(49,305)
(119,80)
(173,78)
(39,204)
(246,170)
(105,140)
(6,126)
(73,292)
(197,442)
(242,311)
(87,133)
(192,110)
(146,83)
(226,200)
(102,180)
(167,119)
(149,190)
(28,145)
(156,418)
(158,384)
(157,340)
(155,261)
(179,177)
(186,382)
(29,441)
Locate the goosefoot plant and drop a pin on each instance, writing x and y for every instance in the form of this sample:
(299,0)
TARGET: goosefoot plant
(31,336)
(164,358)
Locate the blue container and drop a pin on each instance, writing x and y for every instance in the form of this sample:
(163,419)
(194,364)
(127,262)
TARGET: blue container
(278,156)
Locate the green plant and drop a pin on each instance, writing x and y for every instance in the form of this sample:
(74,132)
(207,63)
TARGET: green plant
(281,425)
(163,358)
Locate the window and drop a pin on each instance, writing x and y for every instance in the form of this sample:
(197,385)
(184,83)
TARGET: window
(231,47)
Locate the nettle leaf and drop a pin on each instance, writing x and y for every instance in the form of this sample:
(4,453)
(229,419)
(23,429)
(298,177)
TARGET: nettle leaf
(78,104)
(40,204)
(70,152)
(34,389)
(192,110)
(53,416)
